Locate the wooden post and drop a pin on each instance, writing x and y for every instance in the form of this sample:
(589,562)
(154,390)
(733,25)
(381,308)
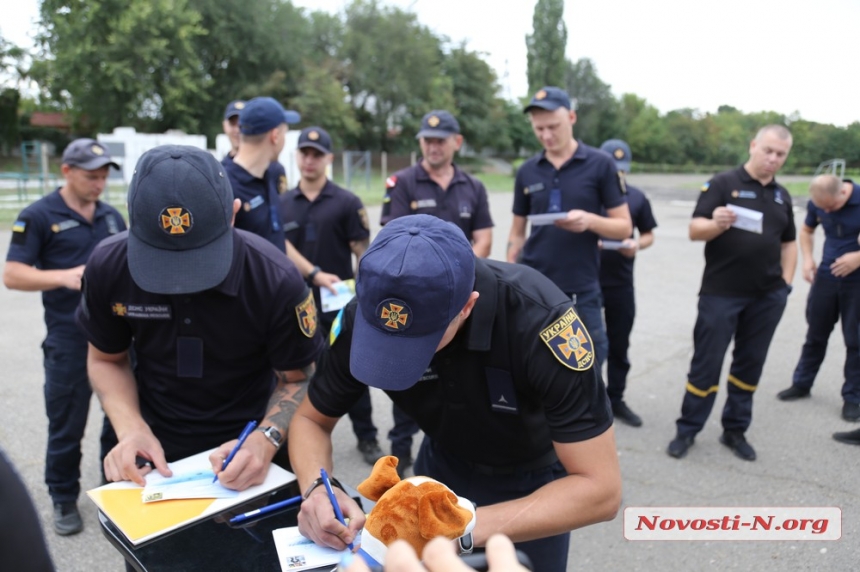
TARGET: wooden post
(384,161)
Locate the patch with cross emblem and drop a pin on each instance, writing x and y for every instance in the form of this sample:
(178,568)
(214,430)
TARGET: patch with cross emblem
(394,315)
(306,313)
(569,341)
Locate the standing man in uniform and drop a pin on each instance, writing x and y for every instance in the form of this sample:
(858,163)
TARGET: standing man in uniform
(51,241)
(328,225)
(436,186)
(835,292)
(255,174)
(494,364)
(222,325)
(748,272)
(230,124)
(582,185)
(616,285)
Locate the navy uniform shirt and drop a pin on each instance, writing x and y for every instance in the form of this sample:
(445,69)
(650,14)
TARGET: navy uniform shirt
(322,230)
(518,376)
(412,191)
(205,361)
(259,211)
(51,236)
(841,229)
(588,181)
(615,268)
(739,262)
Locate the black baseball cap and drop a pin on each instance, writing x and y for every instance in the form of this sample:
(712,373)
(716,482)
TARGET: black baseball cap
(620,151)
(263,114)
(87,154)
(316,138)
(180,210)
(234,108)
(549,98)
(438,124)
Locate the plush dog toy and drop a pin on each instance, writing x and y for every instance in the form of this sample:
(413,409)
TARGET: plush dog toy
(417,510)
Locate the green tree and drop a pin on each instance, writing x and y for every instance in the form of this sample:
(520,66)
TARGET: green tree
(123,62)
(322,103)
(546,45)
(596,108)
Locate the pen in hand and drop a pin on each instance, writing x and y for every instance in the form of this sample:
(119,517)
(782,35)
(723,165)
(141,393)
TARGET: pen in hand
(333,500)
(245,432)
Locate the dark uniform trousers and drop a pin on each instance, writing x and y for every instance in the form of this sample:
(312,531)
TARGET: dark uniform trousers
(589,307)
(752,321)
(484,486)
(619,308)
(828,302)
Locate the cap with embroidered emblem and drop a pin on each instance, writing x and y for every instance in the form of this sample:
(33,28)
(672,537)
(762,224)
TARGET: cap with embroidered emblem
(180,209)
(620,152)
(87,154)
(438,124)
(549,98)
(316,138)
(412,282)
(263,114)
(234,108)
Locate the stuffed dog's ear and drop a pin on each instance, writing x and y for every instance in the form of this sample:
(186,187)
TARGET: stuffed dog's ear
(440,515)
(382,477)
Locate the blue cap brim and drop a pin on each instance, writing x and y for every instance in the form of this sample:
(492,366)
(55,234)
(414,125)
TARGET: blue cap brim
(435,134)
(546,105)
(389,362)
(291,116)
(316,146)
(96,163)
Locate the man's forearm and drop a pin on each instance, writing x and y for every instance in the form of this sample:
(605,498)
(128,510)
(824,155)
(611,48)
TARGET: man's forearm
(615,228)
(114,384)
(310,451)
(290,390)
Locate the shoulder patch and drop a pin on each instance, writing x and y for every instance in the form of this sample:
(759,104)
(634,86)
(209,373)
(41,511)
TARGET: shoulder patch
(391,181)
(705,187)
(336,327)
(362,215)
(622,182)
(306,314)
(19,231)
(569,342)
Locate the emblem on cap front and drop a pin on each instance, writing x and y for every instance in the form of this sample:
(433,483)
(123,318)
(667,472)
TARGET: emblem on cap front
(540,94)
(394,314)
(176,220)
(240,105)
(432,121)
(619,154)
(313,135)
(97,150)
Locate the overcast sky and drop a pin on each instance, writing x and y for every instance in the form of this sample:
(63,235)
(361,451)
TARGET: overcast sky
(786,56)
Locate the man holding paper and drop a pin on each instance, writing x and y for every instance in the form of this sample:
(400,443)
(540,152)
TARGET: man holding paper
(220,323)
(745,285)
(328,225)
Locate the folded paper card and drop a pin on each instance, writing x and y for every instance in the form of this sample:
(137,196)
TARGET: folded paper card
(122,502)
(332,302)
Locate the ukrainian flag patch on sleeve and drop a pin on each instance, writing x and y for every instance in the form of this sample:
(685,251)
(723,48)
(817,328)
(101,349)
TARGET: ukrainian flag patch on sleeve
(569,341)
(19,231)
(336,327)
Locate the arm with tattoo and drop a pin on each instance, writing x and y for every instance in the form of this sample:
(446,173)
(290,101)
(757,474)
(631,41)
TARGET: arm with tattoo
(291,388)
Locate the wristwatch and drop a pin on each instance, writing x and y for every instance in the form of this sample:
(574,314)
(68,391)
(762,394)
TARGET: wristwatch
(467,544)
(313,274)
(334,482)
(273,435)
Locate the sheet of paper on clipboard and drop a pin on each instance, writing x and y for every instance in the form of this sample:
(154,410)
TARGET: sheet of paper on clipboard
(748,219)
(543,219)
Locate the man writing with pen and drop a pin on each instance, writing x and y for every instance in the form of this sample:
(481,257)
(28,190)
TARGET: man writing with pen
(220,324)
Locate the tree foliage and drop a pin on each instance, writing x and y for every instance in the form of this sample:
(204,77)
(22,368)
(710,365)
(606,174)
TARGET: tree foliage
(546,45)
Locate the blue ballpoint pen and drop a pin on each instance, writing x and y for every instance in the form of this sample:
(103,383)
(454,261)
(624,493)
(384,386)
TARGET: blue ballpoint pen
(333,500)
(245,432)
(238,519)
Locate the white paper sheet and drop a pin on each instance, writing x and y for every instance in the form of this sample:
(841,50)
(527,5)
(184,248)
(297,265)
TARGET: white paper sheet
(295,552)
(748,219)
(545,218)
(331,302)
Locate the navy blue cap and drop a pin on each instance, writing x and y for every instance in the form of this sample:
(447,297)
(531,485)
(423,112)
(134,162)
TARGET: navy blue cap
(412,282)
(438,124)
(263,114)
(234,108)
(180,210)
(549,98)
(620,151)
(315,137)
(87,154)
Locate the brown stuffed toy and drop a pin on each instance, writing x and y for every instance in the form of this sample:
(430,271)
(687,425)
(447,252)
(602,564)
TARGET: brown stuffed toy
(417,510)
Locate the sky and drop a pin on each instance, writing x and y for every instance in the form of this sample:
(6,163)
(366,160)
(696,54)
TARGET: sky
(787,56)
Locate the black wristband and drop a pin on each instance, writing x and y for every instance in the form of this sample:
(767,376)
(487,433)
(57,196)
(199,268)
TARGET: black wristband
(312,274)
(334,482)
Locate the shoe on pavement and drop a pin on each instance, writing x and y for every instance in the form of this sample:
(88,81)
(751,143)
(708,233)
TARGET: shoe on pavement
(738,444)
(679,446)
(403,463)
(67,519)
(370,450)
(848,437)
(851,411)
(792,393)
(625,414)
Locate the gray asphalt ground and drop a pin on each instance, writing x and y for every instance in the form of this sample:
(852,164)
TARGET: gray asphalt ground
(798,463)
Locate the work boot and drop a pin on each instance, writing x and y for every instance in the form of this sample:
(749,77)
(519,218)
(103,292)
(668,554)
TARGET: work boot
(370,450)
(679,446)
(67,519)
(738,444)
(851,411)
(404,461)
(792,393)
(848,437)
(625,414)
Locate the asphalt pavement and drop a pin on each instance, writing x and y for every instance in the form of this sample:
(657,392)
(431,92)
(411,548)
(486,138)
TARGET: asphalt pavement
(799,464)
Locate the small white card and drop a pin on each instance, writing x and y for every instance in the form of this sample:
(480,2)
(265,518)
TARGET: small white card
(546,218)
(295,552)
(345,292)
(748,219)
(611,244)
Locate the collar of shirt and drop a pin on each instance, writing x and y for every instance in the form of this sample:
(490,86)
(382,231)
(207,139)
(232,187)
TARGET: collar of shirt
(747,178)
(480,326)
(422,174)
(241,174)
(326,191)
(581,154)
(56,204)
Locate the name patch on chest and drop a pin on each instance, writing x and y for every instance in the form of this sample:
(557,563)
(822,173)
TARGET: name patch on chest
(65,225)
(423,204)
(569,342)
(533,188)
(142,311)
(254,203)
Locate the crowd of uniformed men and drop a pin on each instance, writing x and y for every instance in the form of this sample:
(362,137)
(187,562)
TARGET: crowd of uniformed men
(179,323)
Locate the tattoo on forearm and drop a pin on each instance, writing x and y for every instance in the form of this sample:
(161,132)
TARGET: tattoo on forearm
(289,393)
